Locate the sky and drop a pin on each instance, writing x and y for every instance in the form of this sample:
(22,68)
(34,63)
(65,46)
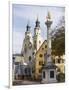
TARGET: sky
(22,14)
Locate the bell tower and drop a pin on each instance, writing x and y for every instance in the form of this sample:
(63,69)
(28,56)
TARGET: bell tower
(37,40)
(27,45)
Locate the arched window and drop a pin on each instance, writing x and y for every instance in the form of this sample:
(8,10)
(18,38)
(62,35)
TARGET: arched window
(33,53)
(45,46)
(39,42)
(35,44)
(29,58)
(58,60)
(40,55)
(25,49)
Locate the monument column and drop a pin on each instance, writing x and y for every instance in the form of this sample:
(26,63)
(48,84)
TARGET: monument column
(48,24)
(49,69)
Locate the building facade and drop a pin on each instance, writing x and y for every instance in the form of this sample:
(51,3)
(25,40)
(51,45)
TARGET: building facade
(39,60)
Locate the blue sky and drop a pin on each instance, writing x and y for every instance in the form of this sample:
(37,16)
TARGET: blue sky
(21,14)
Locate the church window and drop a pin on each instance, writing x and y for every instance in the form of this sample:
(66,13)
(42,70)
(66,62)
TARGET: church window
(33,53)
(51,74)
(39,42)
(35,44)
(40,55)
(25,49)
(29,58)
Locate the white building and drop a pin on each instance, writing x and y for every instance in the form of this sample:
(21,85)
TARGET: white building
(31,43)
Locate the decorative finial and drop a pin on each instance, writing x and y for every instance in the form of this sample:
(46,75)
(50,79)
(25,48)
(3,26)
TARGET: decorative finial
(37,22)
(28,27)
(37,18)
(49,15)
(28,22)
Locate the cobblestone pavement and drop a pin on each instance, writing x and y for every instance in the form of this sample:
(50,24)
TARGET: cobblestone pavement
(24,82)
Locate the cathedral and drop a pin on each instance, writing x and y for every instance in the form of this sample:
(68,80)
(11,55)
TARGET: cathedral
(31,44)
(30,47)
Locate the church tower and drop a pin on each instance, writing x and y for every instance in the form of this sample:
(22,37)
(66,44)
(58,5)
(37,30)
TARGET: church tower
(37,40)
(27,45)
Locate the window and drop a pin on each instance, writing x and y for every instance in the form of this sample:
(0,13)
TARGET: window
(25,70)
(58,60)
(43,74)
(62,60)
(25,49)
(35,44)
(39,42)
(25,45)
(33,53)
(40,70)
(40,55)
(29,58)
(51,74)
(13,57)
(45,46)
(40,62)
(42,48)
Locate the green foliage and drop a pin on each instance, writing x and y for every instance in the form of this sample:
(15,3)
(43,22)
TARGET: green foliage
(58,42)
(61,77)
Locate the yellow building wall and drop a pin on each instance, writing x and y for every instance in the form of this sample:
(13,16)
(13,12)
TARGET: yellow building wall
(61,67)
(38,59)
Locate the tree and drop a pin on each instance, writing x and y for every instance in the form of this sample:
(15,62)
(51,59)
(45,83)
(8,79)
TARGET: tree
(61,77)
(58,40)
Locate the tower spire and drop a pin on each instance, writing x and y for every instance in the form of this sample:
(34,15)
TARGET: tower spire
(37,18)
(28,26)
(37,22)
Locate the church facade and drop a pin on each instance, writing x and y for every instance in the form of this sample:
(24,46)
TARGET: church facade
(31,44)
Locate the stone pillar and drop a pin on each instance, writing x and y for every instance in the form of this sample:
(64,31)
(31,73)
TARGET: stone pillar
(48,24)
(49,69)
